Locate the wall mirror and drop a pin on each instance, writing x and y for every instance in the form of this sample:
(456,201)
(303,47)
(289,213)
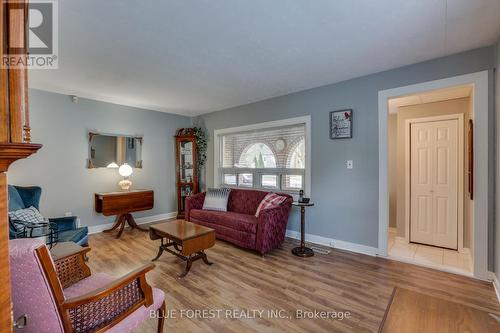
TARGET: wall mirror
(108,151)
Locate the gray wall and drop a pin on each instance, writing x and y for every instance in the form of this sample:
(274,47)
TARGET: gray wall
(346,200)
(497,99)
(60,166)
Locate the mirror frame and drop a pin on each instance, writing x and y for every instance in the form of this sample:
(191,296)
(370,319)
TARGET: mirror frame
(90,164)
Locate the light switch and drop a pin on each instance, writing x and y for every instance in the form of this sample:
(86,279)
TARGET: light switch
(349,164)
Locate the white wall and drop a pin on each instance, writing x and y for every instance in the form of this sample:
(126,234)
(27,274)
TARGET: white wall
(60,166)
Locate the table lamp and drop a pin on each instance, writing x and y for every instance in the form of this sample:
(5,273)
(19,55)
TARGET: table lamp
(125,171)
(112,165)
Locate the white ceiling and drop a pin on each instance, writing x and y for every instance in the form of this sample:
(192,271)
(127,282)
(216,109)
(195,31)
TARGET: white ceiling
(195,56)
(430,97)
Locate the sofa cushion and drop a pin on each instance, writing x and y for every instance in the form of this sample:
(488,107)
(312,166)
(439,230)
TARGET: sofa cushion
(237,221)
(216,199)
(72,235)
(271,200)
(246,240)
(21,217)
(245,201)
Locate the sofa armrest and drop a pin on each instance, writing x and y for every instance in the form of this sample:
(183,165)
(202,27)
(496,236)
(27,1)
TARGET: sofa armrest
(64,223)
(272,226)
(194,202)
(107,306)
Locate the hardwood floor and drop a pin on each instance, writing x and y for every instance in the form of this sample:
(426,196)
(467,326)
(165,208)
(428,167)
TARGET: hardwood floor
(414,312)
(242,280)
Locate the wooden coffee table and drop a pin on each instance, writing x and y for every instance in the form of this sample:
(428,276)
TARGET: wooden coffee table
(185,240)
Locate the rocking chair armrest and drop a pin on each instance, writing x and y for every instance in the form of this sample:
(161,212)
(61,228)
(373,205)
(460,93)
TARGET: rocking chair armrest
(72,267)
(106,306)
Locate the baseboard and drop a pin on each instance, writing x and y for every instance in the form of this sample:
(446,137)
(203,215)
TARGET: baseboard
(401,240)
(496,284)
(94,229)
(465,250)
(335,243)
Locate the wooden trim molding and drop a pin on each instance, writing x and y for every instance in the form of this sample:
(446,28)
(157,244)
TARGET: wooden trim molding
(11,152)
(470,152)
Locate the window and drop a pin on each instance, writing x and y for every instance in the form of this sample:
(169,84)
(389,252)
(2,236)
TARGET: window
(257,155)
(270,156)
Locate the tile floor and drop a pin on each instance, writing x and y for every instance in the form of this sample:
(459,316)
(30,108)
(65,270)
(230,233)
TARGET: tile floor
(430,256)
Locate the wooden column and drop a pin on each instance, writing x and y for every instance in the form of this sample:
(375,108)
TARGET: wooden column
(17,21)
(15,135)
(4,81)
(5,306)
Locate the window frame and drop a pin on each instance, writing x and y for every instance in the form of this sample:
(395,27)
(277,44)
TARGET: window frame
(257,178)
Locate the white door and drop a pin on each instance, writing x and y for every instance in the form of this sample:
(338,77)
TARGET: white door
(434,183)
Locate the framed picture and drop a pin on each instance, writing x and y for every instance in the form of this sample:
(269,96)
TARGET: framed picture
(341,124)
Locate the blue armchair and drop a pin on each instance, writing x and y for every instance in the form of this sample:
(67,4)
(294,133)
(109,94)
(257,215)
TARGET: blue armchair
(25,197)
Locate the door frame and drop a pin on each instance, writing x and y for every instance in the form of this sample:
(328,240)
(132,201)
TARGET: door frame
(460,194)
(480,96)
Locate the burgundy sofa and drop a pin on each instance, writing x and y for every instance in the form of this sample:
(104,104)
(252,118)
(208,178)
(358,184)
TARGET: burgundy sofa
(239,225)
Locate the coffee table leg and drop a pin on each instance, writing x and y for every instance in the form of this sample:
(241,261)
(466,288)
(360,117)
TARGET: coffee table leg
(189,263)
(160,251)
(205,259)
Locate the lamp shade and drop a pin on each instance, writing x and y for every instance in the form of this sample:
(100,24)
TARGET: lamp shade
(125,170)
(112,165)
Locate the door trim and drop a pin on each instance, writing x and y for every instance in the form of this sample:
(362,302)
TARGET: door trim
(482,160)
(460,194)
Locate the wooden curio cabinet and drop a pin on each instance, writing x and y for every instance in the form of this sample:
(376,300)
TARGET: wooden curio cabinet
(186,167)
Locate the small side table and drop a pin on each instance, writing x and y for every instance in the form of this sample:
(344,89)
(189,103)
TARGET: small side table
(122,204)
(302,250)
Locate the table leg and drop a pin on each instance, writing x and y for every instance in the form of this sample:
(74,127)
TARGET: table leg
(122,227)
(205,259)
(166,245)
(302,227)
(160,252)
(131,221)
(302,250)
(118,222)
(189,263)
